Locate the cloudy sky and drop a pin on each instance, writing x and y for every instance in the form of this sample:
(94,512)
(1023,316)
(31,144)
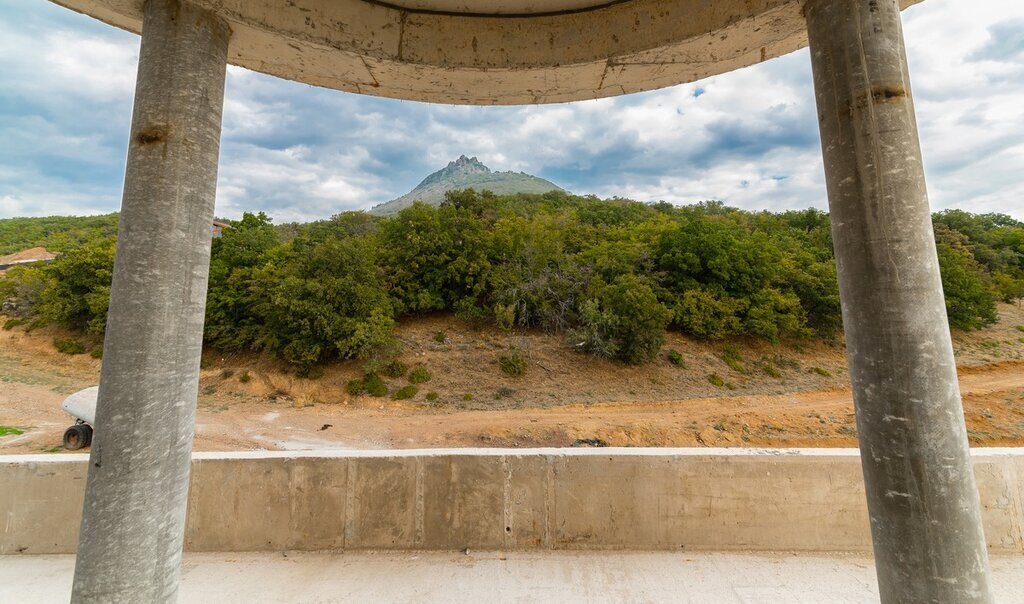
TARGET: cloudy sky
(749,137)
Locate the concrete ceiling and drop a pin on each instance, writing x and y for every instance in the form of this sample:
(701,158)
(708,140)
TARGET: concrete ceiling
(491,52)
(497,7)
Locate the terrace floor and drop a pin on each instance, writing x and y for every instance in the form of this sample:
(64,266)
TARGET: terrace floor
(560,576)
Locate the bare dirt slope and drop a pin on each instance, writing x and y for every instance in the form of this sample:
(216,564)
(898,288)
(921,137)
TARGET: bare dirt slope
(35,254)
(793,394)
(29,255)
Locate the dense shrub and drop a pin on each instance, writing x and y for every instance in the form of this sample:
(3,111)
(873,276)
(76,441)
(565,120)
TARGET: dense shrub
(374,385)
(394,368)
(405,392)
(355,387)
(233,291)
(433,257)
(534,272)
(727,278)
(732,358)
(513,364)
(612,274)
(970,297)
(505,316)
(624,321)
(77,287)
(768,366)
(317,302)
(10,324)
(68,346)
(995,241)
(705,314)
(420,375)
(20,290)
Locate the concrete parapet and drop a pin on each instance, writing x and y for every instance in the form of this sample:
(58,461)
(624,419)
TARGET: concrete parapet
(501,499)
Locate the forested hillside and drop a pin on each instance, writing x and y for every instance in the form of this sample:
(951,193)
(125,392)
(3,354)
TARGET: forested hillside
(55,233)
(611,275)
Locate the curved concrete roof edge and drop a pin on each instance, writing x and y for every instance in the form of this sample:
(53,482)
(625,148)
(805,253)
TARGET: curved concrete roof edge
(381,49)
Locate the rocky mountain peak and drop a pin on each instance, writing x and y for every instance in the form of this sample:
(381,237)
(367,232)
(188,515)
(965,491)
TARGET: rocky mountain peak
(468,164)
(463,173)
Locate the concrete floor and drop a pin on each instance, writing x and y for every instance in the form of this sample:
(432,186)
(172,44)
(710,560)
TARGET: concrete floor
(492,577)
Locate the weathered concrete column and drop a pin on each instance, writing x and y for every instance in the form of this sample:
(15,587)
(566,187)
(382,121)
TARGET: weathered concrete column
(134,515)
(922,499)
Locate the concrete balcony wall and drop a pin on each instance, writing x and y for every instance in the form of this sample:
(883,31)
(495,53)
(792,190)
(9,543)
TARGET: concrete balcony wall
(502,499)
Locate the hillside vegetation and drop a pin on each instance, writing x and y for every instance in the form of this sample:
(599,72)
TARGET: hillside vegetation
(611,276)
(55,233)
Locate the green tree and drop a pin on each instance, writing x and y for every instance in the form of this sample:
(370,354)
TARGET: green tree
(434,257)
(707,314)
(322,301)
(235,259)
(742,277)
(623,320)
(77,287)
(532,272)
(970,297)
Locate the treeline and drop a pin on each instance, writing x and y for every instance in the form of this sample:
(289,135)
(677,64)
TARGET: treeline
(55,233)
(611,275)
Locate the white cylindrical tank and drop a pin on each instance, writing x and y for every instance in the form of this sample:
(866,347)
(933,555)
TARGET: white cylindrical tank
(82,404)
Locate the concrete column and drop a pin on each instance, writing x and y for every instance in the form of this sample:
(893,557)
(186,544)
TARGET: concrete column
(922,499)
(134,515)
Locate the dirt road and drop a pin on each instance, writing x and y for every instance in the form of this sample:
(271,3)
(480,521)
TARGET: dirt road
(993,400)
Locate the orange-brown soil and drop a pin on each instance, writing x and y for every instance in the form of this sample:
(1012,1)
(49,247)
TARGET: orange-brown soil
(31,254)
(792,394)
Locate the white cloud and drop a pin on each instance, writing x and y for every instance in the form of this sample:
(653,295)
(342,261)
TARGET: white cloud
(748,137)
(970,109)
